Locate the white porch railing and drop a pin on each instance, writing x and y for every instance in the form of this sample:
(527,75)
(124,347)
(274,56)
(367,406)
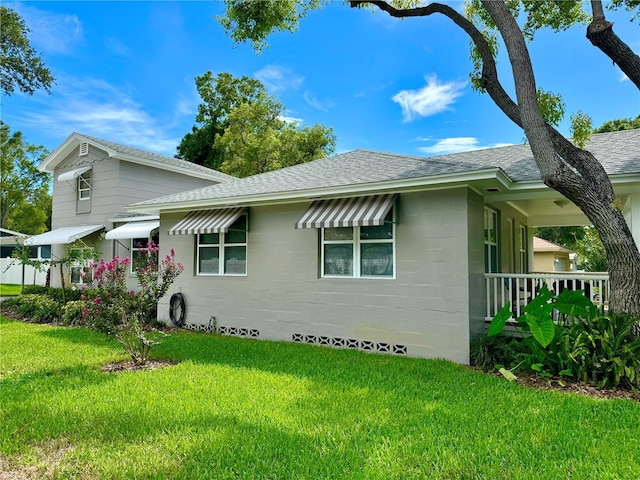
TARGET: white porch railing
(519,288)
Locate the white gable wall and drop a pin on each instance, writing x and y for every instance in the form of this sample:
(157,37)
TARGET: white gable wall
(426,308)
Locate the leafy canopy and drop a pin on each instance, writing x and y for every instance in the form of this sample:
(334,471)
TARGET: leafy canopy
(243,131)
(21,66)
(24,196)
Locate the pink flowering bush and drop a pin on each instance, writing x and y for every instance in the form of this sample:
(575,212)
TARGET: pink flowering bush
(109,307)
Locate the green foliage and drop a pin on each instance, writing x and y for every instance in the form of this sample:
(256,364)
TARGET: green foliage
(24,194)
(20,65)
(36,308)
(551,106)
(254,21)
(591,252)
(618,125)
(581,343)
(580,128)
(488,352)
(258,140)
(56,294)
(242,131)
(72,313)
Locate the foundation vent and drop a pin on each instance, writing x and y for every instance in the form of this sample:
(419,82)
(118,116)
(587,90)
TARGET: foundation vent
(339,342)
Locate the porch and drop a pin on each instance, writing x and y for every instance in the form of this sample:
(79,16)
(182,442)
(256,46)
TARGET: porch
(519,289)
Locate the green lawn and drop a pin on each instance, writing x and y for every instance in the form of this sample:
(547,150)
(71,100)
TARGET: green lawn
(8,289)
(238,408)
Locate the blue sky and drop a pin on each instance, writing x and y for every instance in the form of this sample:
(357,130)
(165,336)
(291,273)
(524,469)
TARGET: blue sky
(125,72)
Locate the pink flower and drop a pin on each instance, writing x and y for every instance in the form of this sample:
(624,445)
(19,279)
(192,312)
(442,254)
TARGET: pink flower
(132,293)
(173,252)
(97,300)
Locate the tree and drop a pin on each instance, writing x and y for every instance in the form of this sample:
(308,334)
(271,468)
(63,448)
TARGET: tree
(257,140)
(26,203)
(619,124)
(563,166)
(20,65)
(243,131)
(220,95)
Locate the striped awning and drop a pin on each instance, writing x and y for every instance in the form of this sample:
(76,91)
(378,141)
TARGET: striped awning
(207,221)
(347,212)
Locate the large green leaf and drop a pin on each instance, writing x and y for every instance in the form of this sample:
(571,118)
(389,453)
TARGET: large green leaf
(541,304)
(542,328)
(499,320)
(575,304)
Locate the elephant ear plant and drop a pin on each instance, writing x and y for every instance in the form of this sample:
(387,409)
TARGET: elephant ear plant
(567,335)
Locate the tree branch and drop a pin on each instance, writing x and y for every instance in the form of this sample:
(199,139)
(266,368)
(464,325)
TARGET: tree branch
(600,33)
(581,160)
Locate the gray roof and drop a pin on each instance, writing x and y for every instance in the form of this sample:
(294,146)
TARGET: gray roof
(619,152)
(157,158)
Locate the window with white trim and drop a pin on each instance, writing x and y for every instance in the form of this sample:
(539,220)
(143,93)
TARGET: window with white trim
(524,254)
(83,202)
(223,253)
(491,263)
(139,252)
(360,252)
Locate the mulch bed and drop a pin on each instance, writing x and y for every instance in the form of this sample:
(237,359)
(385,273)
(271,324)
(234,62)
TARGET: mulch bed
(571,386)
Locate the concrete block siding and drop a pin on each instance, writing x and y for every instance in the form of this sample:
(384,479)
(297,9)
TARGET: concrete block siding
(424,311)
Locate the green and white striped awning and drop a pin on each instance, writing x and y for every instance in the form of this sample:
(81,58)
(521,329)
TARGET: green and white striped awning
(207,221)
(347,212)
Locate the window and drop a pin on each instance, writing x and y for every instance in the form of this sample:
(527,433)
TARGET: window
(359,251)
(83,204)
(139,248)
(490,240)
(224,253)
(80,267)
(524,256)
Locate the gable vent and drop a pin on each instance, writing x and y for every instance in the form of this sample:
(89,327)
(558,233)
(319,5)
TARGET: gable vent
(84,149)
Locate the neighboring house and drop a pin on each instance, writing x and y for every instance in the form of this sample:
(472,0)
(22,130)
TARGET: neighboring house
(370,250)
(550,257)
(11,270)
(93,181)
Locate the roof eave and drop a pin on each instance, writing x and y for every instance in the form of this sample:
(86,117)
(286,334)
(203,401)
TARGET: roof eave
(50,163)
(457,180)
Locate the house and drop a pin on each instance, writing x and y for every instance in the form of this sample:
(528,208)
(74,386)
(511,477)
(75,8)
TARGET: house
(550,257)
(93,181)
(370,250)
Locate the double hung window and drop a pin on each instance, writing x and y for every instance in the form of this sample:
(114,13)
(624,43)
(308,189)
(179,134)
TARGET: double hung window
(224,253)
(490,240)
(359,251)
(83,202)
(140,250)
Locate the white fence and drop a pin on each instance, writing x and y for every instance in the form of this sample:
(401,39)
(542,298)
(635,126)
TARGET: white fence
(519,289)
(11,271)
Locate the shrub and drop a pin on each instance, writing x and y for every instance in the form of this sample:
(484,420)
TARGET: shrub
(581,343)
(37,308)
(489,353)
(53,293)
(73,313)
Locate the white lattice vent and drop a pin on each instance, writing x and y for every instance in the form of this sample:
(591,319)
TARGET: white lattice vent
(239,332)
(339,342)
(84,149)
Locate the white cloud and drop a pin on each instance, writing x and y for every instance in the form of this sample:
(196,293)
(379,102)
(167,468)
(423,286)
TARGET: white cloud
(433,98)
(291,120)
(53,33)
(457,145)
(317,104)
(277,79)
(95,107)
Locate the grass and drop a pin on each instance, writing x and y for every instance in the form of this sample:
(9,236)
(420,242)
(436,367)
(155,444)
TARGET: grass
(10,289)
(239,408)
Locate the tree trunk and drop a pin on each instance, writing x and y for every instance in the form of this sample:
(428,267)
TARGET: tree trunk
(622,253)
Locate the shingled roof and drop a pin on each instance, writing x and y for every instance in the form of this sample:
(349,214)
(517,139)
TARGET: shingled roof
(619,152)
(134,155)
